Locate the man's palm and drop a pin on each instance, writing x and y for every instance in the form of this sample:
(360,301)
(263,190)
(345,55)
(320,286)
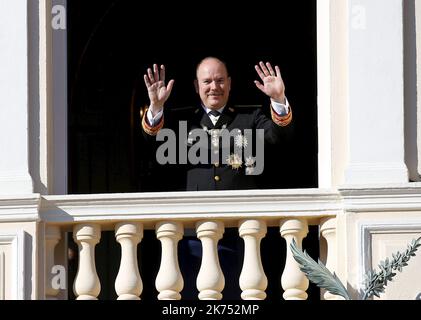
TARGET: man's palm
(273,86)
(158,93)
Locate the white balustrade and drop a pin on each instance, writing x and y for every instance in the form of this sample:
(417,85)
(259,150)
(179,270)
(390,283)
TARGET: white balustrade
(294,282)
(128,283)
(328,231)
(253,281)
(169,281)
(52,237)
(87,285)
(210,280)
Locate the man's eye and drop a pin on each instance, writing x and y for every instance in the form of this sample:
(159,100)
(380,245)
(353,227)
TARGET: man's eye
(206,81)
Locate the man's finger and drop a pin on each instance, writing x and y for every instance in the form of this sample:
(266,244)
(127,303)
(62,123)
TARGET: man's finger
(148,84)
(169,86)
(162,73)
(260,86)
(272,73)
(259,72)
(264,69)
(155,72)
(151,79)
(278,72)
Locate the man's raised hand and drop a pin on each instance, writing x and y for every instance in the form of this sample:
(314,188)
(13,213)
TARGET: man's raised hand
(273,85)
(157,90)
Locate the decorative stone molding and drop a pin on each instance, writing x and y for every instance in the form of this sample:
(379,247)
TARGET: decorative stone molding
(382,198)
(368,228)
(250,204)
(15,263)
(20,208)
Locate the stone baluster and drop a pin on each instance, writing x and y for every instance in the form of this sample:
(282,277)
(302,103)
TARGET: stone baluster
(293,281)
(52,237)
(128,283)
(169,281)
(328,231)
(253,281)
(87,285)
(210,280)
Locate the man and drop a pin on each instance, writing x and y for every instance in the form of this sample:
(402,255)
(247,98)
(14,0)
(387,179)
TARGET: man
(213,85)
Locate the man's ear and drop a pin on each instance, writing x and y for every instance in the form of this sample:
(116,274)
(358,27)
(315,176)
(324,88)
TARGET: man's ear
(229,83)
(196,85)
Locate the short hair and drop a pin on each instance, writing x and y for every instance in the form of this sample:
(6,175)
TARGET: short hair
(211,57)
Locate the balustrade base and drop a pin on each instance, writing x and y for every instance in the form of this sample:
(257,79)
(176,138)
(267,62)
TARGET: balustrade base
(252,294)
(128,297)
(210,295)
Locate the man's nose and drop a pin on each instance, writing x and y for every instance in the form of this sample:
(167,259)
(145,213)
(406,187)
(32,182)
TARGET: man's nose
(214,85)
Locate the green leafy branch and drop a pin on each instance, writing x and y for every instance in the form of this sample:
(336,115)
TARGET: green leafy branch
(318,273)
(374,283)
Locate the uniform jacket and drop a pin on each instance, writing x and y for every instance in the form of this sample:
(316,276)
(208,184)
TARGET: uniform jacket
(215,175)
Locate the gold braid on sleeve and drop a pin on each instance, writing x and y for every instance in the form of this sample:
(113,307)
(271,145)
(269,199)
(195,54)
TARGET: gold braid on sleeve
(281,121)
(152,131)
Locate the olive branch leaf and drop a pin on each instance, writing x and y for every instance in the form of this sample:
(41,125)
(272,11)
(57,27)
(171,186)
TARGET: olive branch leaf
(374,282)
(318,273)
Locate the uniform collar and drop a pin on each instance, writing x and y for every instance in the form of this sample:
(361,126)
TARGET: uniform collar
(207,110)
(226,117)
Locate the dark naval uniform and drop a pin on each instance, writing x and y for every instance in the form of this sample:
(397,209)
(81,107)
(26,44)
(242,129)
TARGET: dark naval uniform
(215,174)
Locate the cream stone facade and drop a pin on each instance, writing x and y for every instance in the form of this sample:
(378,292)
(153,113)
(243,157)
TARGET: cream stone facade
(367,206)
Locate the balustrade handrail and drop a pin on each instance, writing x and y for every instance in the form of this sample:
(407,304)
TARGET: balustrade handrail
(69,209)
(190,206)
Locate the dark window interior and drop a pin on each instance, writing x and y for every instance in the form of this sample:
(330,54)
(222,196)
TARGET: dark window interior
(110,45)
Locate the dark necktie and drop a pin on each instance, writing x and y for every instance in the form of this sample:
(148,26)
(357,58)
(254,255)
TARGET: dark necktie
(215,113)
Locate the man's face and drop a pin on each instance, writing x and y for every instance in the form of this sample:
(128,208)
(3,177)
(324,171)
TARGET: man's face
(213,84)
